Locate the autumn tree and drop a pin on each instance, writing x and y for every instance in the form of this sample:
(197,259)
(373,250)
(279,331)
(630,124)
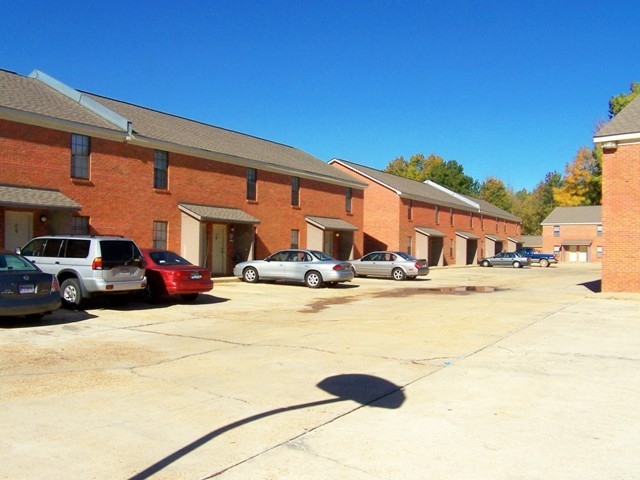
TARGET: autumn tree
(534,207)
(581,184)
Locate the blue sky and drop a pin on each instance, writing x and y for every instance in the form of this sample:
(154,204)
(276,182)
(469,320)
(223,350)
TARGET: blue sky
(510,89)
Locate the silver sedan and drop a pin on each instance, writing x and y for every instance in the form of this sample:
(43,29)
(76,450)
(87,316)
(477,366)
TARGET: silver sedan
(312,267)
(505,259)
(397,265)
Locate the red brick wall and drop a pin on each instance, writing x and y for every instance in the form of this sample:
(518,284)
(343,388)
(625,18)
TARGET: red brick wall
(120,199)
(620,218)
(387,226)
(573,232)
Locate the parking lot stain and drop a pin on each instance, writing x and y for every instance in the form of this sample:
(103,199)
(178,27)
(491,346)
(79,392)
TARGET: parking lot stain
(325,303)
(462,290)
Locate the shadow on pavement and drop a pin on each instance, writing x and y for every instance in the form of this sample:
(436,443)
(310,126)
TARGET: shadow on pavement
(363,389)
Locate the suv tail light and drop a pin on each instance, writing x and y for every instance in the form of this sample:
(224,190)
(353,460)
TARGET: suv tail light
(55,285)
(96,264)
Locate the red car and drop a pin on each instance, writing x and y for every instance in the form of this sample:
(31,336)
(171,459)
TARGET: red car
(170,274)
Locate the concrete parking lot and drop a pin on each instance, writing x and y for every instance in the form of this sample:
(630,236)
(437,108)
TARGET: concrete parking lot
(471,373)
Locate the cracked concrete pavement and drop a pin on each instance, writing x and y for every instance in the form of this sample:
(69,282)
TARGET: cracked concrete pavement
(471,373)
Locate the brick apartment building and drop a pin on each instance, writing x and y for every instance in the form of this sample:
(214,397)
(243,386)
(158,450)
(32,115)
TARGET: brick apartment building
(574,234)
(75,162)
(620,140)
(430,221)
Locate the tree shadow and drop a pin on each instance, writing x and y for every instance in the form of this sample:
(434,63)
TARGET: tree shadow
(367,390)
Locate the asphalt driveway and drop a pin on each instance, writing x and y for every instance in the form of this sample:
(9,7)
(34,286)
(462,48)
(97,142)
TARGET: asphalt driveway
(471,373)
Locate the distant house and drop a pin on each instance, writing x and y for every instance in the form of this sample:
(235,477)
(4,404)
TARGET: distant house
(620,140)
(574,234)
(430,221)
(77,162)
(532,241)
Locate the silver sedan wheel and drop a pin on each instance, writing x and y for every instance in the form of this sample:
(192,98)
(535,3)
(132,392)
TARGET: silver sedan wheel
(250,275)
(398,274)
(313,279)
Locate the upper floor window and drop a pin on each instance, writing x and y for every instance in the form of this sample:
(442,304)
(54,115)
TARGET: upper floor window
(80,150)
(160,235)
(599,230)
(471,220)
(556,230)
(348,196)
(295,191)
(497,224)
(437,214)
(160,169)
(410,209)
(252,180)
(451,217)
(482,222)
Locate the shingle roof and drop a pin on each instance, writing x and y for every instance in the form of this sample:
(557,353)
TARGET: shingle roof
(211,213)
(15,196)
(625,122)
(407,187)
(574,215)
(31,96)
(490,209)
(330,223)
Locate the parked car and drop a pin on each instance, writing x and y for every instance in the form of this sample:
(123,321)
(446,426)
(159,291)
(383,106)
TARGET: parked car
(89,265)
(312,267)
(170,274)
(25,290)
(397,265)
(505,259)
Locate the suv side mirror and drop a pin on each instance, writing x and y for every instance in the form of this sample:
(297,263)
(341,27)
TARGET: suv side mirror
(18,250)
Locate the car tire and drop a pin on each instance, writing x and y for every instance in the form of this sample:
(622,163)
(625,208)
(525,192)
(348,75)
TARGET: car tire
(485,263)
(516,264)
(398,274)
(250,275)
(71,293)
(151,293)
(544,262)
(313,279)
(189,297)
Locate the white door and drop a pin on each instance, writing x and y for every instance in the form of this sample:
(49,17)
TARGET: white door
(218,249)
(18,229)
(328,243)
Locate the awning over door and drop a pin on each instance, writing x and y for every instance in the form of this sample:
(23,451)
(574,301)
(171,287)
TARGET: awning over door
(29,197)
(467,235)
(566,243)
(430,232)
(493,238)
(329,223)
(208,213)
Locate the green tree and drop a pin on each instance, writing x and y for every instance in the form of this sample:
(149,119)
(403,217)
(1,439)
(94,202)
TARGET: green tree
(581,184)
(618,102)
(495,192)
(447,173)
(534,207)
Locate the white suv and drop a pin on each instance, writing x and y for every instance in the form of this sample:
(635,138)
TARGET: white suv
(88,265)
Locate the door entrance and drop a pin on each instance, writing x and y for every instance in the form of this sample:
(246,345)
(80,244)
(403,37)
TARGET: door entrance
(218,249)
(18,229)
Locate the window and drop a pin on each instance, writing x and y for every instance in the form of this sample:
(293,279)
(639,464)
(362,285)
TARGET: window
(295,238)
(599,251)
(410,209)
(599,230)
(252,180)
(409,245)
(497,224)
(451,248)
(80,225)
(451,217)
(160,235)
(348,196)
(556,230)
(482,222)
(471,220)
(160,169)
(437,214)
(295,191)
(80,150)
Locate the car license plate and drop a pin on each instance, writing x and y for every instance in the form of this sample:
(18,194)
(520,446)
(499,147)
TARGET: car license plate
(195,276)
(26,289)
(123,272)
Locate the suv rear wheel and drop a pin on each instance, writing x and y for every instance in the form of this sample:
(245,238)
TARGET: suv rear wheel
(71,293)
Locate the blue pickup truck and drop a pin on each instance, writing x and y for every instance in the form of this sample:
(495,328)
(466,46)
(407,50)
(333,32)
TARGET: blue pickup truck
(542,259)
